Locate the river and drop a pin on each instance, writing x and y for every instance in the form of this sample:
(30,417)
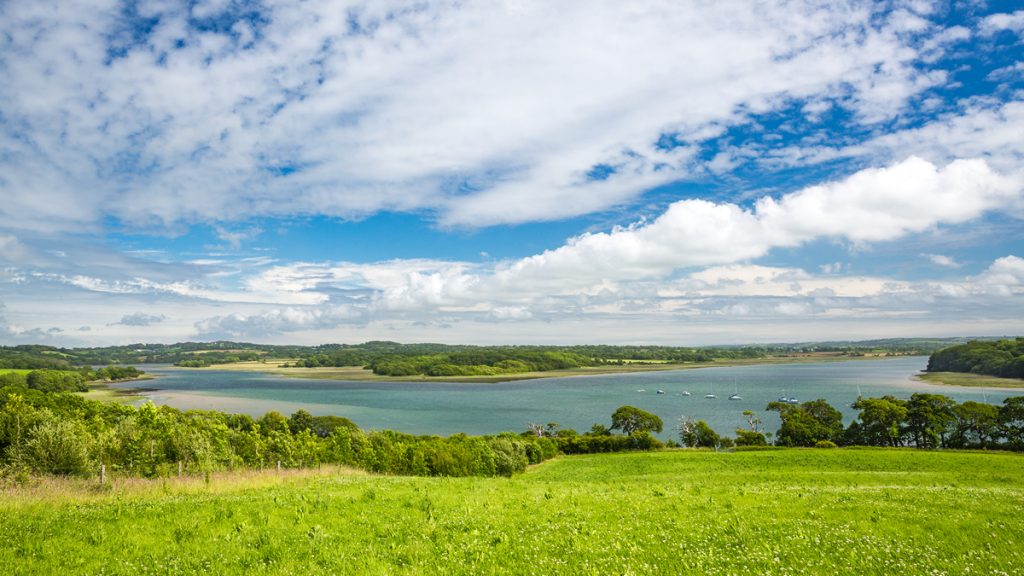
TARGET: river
(576,402)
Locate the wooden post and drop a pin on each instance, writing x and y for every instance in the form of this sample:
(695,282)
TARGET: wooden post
(278,465)
(179,468)
(103,473)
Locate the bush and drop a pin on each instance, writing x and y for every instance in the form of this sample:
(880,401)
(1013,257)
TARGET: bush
(825,444)
(55,447)
(750,438)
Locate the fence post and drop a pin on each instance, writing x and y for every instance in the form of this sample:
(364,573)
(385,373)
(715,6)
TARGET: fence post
(278,465)
(103,473)
(179,468)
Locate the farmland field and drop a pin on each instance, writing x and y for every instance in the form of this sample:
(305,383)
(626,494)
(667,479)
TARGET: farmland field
(847,511)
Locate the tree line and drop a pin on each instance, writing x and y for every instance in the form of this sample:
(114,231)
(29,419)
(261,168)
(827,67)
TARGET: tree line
(219,352)
(926,421)
(48,380)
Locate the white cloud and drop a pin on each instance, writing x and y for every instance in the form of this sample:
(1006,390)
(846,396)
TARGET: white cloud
(483,112)
(942,260)
(11,250)
(998,22)
(141,319)
(1004,277)
(873,205)
(234,238)
(277,321)
(185,288)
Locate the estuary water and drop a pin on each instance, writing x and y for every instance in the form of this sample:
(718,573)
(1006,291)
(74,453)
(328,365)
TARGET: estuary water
(575,402)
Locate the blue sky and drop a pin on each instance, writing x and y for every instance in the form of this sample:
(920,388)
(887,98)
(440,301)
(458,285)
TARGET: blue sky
(510,171)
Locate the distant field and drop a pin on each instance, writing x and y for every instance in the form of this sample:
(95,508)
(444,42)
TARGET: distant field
(771,512)
(14,370)
(964,379)
(272,366)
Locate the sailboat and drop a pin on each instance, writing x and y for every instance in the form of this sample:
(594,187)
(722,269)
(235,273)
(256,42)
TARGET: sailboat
(735,392)
(711,394)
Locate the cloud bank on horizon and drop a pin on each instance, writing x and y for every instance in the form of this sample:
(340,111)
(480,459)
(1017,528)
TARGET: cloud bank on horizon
(509,171)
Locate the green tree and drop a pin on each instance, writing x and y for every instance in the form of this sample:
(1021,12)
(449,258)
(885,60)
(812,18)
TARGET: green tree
(697,434)
(299,421)
(881,420)
(806,424)
(630,420)
(975,425)
(1011,421)
(273,421)
(750,438)
(929,419)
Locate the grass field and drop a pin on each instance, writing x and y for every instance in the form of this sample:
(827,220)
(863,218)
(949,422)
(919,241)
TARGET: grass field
(272,366)
(964,379)
(682,512)
(14,370)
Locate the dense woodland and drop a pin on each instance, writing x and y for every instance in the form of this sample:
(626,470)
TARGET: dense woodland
(1003,358)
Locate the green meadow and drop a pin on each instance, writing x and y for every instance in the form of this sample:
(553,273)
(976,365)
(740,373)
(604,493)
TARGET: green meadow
(795,511)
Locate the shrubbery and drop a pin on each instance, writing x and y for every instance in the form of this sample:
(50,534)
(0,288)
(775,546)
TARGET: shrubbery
(57,433)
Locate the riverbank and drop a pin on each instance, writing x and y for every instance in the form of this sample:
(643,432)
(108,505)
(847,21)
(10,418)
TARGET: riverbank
(969,380)
(360,374)
(105,391)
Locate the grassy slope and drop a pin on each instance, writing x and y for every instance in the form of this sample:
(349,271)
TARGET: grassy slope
(271,366)
(964,379)
(772,512)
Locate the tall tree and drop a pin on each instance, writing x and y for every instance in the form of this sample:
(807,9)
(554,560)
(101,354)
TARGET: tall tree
(808,423)
(881,420)
(929,419)
(630,420)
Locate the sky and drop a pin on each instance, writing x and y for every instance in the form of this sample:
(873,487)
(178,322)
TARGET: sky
(518,171)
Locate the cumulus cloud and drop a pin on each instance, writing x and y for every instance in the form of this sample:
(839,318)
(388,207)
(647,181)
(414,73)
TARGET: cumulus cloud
(1004,277)
(141,319)
(942,260)
(277,321)
(874,205)
(483,112)
(996,23)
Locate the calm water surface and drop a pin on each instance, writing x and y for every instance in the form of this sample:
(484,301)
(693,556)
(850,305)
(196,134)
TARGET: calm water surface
(577,402)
